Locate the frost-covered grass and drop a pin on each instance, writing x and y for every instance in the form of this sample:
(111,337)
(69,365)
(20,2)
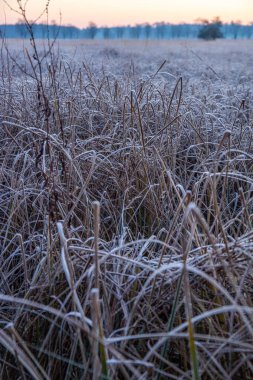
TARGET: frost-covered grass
(126,211)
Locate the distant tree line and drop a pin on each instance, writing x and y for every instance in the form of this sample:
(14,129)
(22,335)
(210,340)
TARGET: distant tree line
(160,30)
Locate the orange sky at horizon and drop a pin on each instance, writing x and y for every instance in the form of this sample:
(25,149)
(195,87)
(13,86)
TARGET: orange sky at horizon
(117,12)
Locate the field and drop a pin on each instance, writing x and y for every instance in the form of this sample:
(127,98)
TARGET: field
(126,210)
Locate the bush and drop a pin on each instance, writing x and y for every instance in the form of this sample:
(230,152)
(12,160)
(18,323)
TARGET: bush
(210,32)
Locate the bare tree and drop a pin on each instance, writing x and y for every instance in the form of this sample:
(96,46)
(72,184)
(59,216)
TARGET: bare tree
(147,30)
(211,30)
(92,30)
(106,32)
(119,31)
(21,29)
(235,26)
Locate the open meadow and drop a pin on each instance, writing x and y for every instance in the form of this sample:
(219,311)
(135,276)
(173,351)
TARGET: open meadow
(126,210)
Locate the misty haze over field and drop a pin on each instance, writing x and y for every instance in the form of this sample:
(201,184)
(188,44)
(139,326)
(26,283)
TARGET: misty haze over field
(160,30)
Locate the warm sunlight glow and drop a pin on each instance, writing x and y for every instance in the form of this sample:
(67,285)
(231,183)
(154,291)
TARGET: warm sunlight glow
(118,12)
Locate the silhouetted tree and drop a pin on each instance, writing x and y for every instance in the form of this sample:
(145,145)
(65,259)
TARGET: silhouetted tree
(235,26)
(135,31)
(43,30)
(211,30)
(92,30)
(249,29)
(106,32)
(147,30)
(177,31)
(21,29)
(54,29)
(119,31)
(160,30)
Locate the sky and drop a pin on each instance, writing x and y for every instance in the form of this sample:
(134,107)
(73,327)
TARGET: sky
(124,12)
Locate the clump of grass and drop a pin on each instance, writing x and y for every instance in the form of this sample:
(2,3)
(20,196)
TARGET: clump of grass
(126,215)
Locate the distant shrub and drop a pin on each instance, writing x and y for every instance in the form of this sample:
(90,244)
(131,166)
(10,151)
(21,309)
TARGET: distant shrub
(211,31)
(110,52)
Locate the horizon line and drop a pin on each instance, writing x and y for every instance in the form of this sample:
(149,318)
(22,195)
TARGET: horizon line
(197,21)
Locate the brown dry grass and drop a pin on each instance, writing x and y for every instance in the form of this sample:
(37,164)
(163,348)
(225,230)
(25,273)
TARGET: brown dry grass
(155,280)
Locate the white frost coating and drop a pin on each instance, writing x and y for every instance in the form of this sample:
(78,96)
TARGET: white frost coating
(63,254)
